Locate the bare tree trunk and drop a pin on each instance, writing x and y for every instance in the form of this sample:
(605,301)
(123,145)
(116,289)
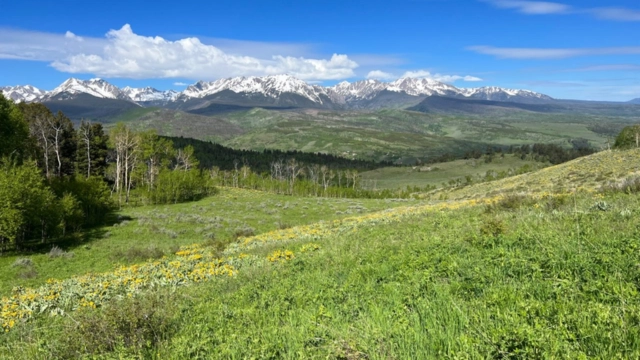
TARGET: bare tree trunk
(56,145)
(86,137)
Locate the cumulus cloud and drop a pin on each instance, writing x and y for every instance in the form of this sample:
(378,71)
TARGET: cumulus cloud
(133,56)
(552,53)
(380,75)
(125,54)
(423,74)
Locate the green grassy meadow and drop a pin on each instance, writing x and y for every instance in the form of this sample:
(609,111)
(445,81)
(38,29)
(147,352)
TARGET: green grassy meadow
(154,231)
(519,268)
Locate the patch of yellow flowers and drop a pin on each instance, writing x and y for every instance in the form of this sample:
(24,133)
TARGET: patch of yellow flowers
(191,264)
(280,255)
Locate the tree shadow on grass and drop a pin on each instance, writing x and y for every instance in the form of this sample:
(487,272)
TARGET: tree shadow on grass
(69,242)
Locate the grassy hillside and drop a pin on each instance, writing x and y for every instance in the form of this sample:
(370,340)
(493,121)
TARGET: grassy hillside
(172,122)
(540,275)
(398,134)
(389,134)
(587,173)
(439,173)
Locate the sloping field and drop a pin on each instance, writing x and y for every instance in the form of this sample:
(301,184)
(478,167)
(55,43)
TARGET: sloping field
(541,275)
(587,173)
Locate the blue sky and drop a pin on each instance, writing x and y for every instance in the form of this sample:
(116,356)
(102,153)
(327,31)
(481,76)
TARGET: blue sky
(571,49)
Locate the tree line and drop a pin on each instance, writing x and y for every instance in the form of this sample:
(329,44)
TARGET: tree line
(210,154)
(57,179)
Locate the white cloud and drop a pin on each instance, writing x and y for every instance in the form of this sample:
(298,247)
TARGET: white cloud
(552,53)
(440,77)
(609,67)
(125,54)
(180,84)
(380,75)
(40,46)
(70,35)
(532,7)
(545,8)
(616,14)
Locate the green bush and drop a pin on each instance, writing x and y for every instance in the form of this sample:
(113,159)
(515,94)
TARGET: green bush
(29,209)
(493,227)
(137,324)
(180,186)
(628,138)
(92,195)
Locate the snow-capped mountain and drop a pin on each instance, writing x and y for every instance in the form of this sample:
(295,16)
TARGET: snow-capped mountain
(359,90)
(418,87)
(275,90)
(94,87)
(501,94)
(368,89)
(270,86)
(20,93)
(149,94)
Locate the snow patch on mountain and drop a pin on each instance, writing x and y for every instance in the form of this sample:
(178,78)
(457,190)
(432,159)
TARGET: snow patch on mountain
(359,90)
(271,86)
(500,94)
(21,93)
(95,87)
(149,94)
(418,87)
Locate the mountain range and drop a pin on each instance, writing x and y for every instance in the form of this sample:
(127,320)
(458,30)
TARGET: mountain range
(275,90)
(99,100)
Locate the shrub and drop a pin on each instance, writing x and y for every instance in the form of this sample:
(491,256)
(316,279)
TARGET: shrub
(629,185)
(510,202)
(22,262)
(57,252)
(137,324)
(555,202)
(244,231)
(282,225)
(140,253)
(628,138)
(28,273)
(493,227)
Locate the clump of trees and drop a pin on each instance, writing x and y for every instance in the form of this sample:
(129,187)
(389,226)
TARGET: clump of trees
(56,180)
(628,138)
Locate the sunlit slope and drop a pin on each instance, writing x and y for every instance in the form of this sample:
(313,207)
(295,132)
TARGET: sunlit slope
(588,173)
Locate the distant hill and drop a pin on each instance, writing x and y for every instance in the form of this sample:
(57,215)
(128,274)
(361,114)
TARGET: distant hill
(85,106)
(178,123)
(439,104)
(635,101)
